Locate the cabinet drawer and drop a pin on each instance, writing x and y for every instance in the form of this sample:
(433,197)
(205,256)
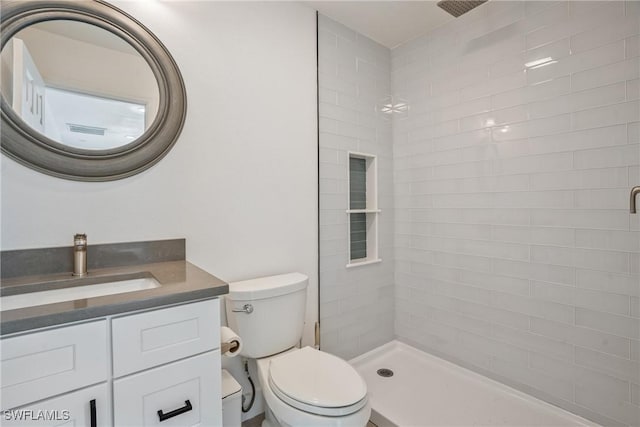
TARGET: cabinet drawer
(73,409)
(152,338)
(42,364)
(187,392)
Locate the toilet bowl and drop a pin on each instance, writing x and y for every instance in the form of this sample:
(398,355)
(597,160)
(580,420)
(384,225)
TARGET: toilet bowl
(312,388)
(301,387)
(307,387)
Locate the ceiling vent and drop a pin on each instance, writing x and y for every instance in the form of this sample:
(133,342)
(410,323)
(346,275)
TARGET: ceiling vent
(459,7)
(87,130)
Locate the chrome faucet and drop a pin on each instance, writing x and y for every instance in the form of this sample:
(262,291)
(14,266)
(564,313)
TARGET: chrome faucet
(634,192)
(80,255)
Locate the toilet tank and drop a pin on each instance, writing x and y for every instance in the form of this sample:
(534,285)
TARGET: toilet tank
(277,305)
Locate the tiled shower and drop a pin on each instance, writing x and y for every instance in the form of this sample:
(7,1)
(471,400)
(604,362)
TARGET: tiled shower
(505,237)
(357,303)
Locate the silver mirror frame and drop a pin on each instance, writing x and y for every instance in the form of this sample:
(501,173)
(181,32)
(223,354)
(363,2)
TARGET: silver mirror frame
(34,150)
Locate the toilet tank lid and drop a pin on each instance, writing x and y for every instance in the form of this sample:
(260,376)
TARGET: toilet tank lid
(266,287)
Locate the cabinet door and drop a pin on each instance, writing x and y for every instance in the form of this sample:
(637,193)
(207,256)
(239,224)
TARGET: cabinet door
(183,393)
(39,365)
(149,339)
(89,407)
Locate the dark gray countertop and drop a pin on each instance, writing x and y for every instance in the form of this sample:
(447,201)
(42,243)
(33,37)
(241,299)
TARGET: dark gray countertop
(180,281)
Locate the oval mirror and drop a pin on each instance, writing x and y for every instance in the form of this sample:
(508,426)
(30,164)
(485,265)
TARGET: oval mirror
(88,93)
(78,84)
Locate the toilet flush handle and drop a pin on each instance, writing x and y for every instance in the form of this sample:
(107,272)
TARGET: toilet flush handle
(247,308)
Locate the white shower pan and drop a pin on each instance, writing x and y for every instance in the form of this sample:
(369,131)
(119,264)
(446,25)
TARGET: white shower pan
(428,391)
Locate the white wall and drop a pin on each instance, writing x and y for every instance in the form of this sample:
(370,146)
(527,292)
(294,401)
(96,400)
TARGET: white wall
(239,184)
(515,251)
(356,304)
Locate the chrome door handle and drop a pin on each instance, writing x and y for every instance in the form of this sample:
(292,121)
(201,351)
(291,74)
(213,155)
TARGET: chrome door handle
(632,202)
(247,308)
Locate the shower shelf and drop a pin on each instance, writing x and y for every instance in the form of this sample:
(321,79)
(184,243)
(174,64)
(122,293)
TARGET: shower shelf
(363,211)
(365,262)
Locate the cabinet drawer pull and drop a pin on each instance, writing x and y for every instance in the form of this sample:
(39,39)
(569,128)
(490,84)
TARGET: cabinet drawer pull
(186,408)
(94,415)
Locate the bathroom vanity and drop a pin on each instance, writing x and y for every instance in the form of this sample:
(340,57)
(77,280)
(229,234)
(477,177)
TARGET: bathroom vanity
(137,358)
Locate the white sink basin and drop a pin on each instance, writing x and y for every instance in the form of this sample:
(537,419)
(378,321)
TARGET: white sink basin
(12,302)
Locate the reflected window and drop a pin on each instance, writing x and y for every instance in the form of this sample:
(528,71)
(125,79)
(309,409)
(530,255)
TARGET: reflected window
(91,122)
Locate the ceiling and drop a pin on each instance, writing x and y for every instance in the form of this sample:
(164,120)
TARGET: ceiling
(390,23)
(87,33)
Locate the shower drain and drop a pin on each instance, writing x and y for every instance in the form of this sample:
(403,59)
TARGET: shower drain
(384,372)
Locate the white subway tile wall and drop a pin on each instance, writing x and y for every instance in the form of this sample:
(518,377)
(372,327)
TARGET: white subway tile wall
(356,304)
(515,252)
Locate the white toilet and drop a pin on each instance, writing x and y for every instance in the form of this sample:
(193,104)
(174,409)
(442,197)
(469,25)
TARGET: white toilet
(301,387)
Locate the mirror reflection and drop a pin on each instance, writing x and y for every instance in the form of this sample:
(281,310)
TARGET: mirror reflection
(78,84)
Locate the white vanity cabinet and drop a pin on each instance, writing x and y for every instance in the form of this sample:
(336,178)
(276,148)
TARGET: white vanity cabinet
(178,394)
(88,407)
(152,338)
(42,364)
(157,367)
(183,393)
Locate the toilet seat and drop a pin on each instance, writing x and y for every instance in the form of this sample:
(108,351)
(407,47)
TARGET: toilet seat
(317,382)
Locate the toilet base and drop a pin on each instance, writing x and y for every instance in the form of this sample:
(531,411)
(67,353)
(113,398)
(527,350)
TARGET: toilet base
(269,419)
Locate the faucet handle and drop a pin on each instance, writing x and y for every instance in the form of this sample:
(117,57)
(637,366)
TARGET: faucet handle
(80,240)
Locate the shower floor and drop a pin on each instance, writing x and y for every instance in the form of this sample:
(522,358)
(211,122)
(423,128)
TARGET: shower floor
(429,391)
